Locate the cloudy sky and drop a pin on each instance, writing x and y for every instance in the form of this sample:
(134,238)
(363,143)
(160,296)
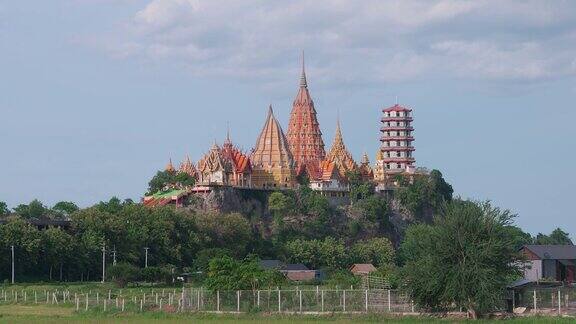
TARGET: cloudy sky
(96,95)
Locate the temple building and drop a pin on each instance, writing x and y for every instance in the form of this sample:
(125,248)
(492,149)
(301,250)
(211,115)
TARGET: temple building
(304,135)
(278,160)
(213,169)
(188,167)
(272,162)
(365,170)
(339,154)
(397,139)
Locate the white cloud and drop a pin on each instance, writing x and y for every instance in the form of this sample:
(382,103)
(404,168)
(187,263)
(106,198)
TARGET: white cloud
(362,41)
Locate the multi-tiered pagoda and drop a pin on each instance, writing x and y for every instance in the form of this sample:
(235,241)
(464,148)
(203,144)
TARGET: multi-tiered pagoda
(397,139)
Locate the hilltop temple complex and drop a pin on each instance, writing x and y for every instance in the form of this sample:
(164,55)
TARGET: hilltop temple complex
(283,160)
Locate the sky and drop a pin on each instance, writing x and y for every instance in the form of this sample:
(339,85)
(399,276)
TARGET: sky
(97,95)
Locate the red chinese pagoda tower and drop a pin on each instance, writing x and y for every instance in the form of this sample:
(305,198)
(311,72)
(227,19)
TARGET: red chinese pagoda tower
(304,135)
(397,138)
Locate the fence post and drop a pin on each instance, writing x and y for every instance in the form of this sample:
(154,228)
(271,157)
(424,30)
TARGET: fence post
(535,304)
(86,302)
(513,300)
(77,303)
(218,300)
(389,302)
(238,301)
(122,304)
(322,300)
(35,297)
(97,298)
(141,304)
(279,302)
(258,298)
(300,299)
(160,303)
(344,304)
(559,303)
(366,292)
(104,304)
(198,300)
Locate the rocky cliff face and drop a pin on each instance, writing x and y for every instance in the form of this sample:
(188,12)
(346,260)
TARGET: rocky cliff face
(253,204)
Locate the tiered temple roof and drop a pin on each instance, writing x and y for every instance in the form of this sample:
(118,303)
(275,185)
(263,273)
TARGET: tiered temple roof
(340,155)
(271,158)
(240,161)
(365,169)
(188,167)
(304,135)
(213,161)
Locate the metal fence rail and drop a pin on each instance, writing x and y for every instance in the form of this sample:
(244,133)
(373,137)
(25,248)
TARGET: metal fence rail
(298,301)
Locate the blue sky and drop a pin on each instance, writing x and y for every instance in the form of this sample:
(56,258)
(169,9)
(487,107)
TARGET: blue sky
(98,94)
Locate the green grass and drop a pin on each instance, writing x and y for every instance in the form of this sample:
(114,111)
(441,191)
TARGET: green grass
(53,314)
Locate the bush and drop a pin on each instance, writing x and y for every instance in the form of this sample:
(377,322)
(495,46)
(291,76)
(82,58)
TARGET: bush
(342,278)
(157,274)
(123,273)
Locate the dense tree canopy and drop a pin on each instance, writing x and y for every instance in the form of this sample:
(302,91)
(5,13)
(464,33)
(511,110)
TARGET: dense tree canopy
(465,258)
(165,178)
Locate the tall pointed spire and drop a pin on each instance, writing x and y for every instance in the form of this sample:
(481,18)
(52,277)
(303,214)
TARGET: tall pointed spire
(303,82)
(304,134)
(170,166)
(339,153)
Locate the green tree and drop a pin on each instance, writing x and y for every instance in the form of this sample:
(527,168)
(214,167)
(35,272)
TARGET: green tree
(328,252)
(425,192)
(164,178)
(56,248)
(35,209)
(225,273)
(65,208)
(280,204)
(378,251)
(465,258)
(123,273)
(4,211)
(557,237)
(518,236)
(26,241)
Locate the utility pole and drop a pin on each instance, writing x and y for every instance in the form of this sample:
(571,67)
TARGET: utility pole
(12,248)
(103,262)
(146,258)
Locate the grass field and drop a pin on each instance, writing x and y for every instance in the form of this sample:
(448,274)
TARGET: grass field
(29,311)
(54,314)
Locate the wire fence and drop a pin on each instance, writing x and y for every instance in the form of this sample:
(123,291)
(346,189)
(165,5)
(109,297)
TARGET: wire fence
(200,300)
(557,300)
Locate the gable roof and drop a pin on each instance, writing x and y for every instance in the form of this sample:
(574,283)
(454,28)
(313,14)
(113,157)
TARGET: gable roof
(553,252)
(295,267)
(362,268)
(271,264)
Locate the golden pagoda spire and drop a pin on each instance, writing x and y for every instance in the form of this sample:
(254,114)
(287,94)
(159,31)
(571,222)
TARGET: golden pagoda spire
(169,166)
(339,154)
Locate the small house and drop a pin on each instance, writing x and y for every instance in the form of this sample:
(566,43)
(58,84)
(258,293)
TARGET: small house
(551,262)
(362,269)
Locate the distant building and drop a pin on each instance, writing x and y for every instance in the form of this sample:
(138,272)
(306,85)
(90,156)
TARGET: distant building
(550,262)
(362,269)
(397,139)
(281,160)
